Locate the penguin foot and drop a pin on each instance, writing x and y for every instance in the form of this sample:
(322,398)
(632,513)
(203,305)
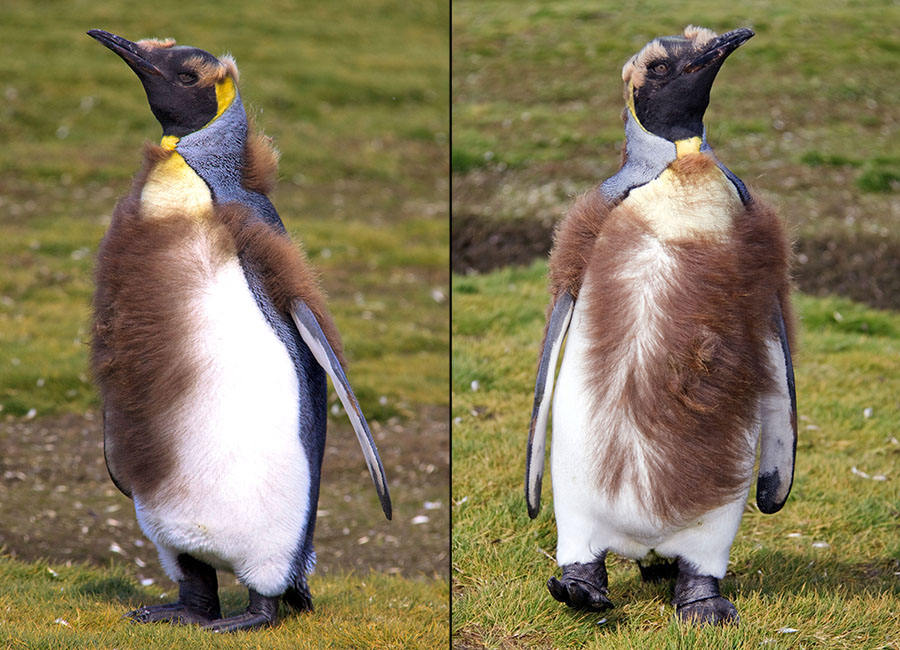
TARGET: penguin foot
(262,612)
(711,611)
(175,613)
(582,586)
(198,598)
(698,600)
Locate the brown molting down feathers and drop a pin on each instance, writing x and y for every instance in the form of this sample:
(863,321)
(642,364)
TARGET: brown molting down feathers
(706,354)
(210,73)
(156,43)
(282,266)
(573,243)
(260,164)
(636,67)
(138,358)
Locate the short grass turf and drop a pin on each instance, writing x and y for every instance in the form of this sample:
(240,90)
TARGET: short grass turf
(822,573)
(45,605)
(355,95)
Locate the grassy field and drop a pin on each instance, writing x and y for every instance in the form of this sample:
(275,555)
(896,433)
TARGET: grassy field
(827,566)
(53,606)
(806,112)
(356,97)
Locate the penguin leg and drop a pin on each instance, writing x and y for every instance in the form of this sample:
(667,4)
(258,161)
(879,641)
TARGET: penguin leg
(198,597)
(583,585)
(262,612)
(698,601)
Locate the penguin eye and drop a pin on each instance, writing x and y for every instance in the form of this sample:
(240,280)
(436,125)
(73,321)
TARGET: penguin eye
(187,78)
(659,68)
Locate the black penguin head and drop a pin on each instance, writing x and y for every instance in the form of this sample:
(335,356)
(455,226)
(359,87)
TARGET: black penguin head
(667,83)
(186,87)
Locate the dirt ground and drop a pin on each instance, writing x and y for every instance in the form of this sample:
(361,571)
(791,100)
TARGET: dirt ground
(57,501)
(865,269)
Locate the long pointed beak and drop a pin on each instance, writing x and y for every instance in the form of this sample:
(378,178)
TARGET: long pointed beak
(720,48)
(129,51)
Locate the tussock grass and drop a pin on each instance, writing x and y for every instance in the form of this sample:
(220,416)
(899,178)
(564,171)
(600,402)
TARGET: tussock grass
(827,566)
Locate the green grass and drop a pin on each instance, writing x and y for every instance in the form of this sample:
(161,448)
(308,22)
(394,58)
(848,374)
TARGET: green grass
(843,595)
(805,112)
(355,96)
(51,606)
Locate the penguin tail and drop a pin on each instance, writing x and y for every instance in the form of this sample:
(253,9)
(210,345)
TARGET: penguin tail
(298,596)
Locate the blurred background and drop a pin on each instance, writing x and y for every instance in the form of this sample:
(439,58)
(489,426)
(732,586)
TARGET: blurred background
(355,95)
(806,113)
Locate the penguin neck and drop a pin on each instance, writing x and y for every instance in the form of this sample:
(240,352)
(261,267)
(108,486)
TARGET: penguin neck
(647,155)
(216,154)
(216,151)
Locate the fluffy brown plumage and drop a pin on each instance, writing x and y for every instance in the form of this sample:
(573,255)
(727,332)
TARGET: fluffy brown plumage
(694,397)
(146,270)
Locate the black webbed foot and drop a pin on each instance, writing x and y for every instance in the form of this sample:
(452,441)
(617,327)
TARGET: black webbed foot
(198,598)
(698,601)
(582,586)
(262,612)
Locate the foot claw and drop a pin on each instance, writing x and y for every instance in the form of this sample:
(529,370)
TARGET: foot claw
(174,613)
(245,621)
(579,594)
(710,611)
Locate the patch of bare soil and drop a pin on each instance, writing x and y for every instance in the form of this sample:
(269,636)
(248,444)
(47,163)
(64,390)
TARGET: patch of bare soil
(865,268)
(58,503)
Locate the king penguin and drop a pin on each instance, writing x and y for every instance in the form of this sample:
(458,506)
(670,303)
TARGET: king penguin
(210,346)
(670,284)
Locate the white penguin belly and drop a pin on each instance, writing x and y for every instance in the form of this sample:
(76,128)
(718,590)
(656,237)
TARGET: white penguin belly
(590,520)
(238,495)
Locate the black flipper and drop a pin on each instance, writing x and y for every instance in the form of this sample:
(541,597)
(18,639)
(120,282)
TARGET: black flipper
(312,335)
(558,325)
(778,421)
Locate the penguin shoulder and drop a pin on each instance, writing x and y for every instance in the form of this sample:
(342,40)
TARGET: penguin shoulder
(260,163)
(574,240)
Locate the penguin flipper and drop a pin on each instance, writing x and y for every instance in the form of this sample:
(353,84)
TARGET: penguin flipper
(312,334)
(778,419)
(557,326)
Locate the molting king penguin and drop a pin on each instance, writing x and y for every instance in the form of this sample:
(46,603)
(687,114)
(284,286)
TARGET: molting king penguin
(211,342)
(669,282)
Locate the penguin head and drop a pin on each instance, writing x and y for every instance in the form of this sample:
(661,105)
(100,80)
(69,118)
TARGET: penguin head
(667,83)
(186,87)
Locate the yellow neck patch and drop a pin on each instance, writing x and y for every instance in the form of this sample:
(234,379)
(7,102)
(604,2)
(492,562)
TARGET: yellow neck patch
(169,142)
(687,146)
(225,94)
(174,189)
